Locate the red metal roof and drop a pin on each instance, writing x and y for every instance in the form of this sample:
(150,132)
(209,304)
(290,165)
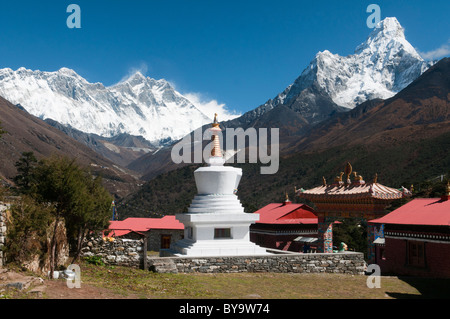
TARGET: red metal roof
(144,224)
(280,213)
(419,211)
(118,232)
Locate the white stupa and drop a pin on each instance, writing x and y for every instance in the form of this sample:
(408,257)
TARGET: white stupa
(216,224)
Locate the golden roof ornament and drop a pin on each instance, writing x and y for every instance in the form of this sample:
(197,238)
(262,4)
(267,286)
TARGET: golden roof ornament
(286,201)
(448,189)
(357,177)
(376,178)
(339,178)
(324,181)
(348,171)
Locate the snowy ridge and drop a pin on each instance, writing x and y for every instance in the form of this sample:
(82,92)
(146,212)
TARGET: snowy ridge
(381,66)
(139,106)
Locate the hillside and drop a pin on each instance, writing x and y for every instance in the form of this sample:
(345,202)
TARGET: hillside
(380,67)
(26,133)
(404,139)
(420,111)
(121,149)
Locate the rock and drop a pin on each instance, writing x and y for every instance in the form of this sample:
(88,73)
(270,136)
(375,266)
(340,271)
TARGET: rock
(17,285)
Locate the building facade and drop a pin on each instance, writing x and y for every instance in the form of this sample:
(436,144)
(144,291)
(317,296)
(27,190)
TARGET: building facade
(160,233)
(285,226)
(347,198)
(416,239)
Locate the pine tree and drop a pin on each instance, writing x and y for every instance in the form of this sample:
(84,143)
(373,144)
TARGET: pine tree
(25,179)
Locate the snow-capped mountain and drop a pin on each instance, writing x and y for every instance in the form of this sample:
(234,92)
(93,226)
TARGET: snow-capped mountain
(379,68)
(139,106)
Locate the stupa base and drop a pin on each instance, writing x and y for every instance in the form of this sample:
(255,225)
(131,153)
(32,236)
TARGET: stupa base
(222,247)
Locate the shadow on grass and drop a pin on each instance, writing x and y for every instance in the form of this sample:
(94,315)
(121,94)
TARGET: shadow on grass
(429,288)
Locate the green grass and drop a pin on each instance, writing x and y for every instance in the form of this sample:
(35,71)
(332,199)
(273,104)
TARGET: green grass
(135,283)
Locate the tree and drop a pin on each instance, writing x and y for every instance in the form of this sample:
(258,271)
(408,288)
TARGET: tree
(27,233)
(353,232)
(76,197)
(94,216)
(1,130)
(25,179)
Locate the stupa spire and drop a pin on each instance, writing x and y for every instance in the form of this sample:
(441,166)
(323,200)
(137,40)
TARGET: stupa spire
(216,152)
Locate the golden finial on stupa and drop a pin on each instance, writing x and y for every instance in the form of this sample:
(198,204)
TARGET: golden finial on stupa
(215,123)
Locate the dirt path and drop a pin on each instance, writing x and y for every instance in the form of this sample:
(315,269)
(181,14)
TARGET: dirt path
(16,284)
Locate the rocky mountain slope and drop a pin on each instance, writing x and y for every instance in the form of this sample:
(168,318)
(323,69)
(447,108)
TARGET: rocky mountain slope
(384,64)
(25,133)
(380,67)
(420,111)
(404,139)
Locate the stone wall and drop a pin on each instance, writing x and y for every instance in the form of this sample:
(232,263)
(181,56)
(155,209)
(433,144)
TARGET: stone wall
(343,263)
(120,252)
(3,209)
(128,252)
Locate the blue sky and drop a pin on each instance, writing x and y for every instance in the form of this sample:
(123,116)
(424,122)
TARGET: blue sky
(235,53)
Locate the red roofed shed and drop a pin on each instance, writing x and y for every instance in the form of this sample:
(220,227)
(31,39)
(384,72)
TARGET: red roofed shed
(416,238)
(161,232)
(281,223)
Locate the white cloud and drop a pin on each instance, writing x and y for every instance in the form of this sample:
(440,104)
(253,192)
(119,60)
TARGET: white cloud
(142,68)
(209,107)
(442,51)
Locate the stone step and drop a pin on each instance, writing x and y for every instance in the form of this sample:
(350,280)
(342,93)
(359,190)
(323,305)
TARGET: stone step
(161,265)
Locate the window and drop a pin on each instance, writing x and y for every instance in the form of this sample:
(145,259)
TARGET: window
(165,241)
(416,253)
(382,253)
(189,232)
(222,233)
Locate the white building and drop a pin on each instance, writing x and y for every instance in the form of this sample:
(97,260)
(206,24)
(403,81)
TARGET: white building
(216,224)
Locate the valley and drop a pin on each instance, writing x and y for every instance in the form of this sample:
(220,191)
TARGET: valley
(389,125)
